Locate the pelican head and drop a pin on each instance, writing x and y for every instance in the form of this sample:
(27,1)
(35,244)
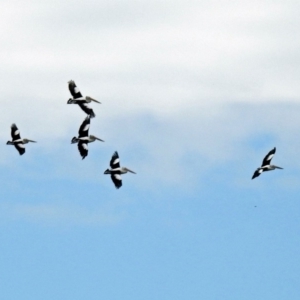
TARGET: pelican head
(25,141)
(93,138)
(89,99)
(107,171)
(125,170)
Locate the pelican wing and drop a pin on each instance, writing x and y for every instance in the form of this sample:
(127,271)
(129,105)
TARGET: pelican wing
(15,133)
(84,127)
(74,90)
(115,161)
(20,147)
(84,106)
(268,158)
(83,148)
(117,180)
(257,173)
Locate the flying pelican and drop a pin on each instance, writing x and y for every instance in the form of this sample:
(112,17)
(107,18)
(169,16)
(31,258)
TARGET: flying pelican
(115,170)
(265,166)
(80,100)
(17,141)
(84,138)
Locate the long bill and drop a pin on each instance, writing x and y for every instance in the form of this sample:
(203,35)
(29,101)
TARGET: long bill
(31,141)
(92,99)
(129,170)
(98,139)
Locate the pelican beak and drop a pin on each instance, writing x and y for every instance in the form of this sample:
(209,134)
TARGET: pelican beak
(93,99)
(99,139)
(31,141)
(130,171)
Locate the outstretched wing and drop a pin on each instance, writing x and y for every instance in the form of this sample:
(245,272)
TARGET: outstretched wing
(257,173)
(20,147)
(268,158)
(15,133)
(117,180)
(115,161)
(84,127)
(84,106)
(74,90)
(83,148)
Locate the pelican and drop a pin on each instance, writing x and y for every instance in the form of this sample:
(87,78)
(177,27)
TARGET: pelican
(17,141)
(84,138)
(265,166)
(80,100)
(115,170)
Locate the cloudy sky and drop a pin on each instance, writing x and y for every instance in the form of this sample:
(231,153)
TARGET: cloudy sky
(194,94)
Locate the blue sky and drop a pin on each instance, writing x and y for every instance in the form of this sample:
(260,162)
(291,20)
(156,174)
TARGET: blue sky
(194,94)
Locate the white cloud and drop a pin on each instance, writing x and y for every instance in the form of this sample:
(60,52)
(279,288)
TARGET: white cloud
(187,65)
(171,49)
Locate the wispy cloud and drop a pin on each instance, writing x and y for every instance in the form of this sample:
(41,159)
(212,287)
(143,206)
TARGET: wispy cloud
(176,79)
(156,56)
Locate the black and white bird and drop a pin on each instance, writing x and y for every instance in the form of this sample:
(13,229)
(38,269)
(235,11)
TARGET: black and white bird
(115,170)
(84,138)
(80,100)
(17,141)
(265,166)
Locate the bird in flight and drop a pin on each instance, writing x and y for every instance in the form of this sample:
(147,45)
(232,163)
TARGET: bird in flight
(80,100)
(84,138)
(17,141)
(266,166)
(115,170)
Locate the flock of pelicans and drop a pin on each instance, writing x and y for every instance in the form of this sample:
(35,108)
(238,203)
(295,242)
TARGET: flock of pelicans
(83,138)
